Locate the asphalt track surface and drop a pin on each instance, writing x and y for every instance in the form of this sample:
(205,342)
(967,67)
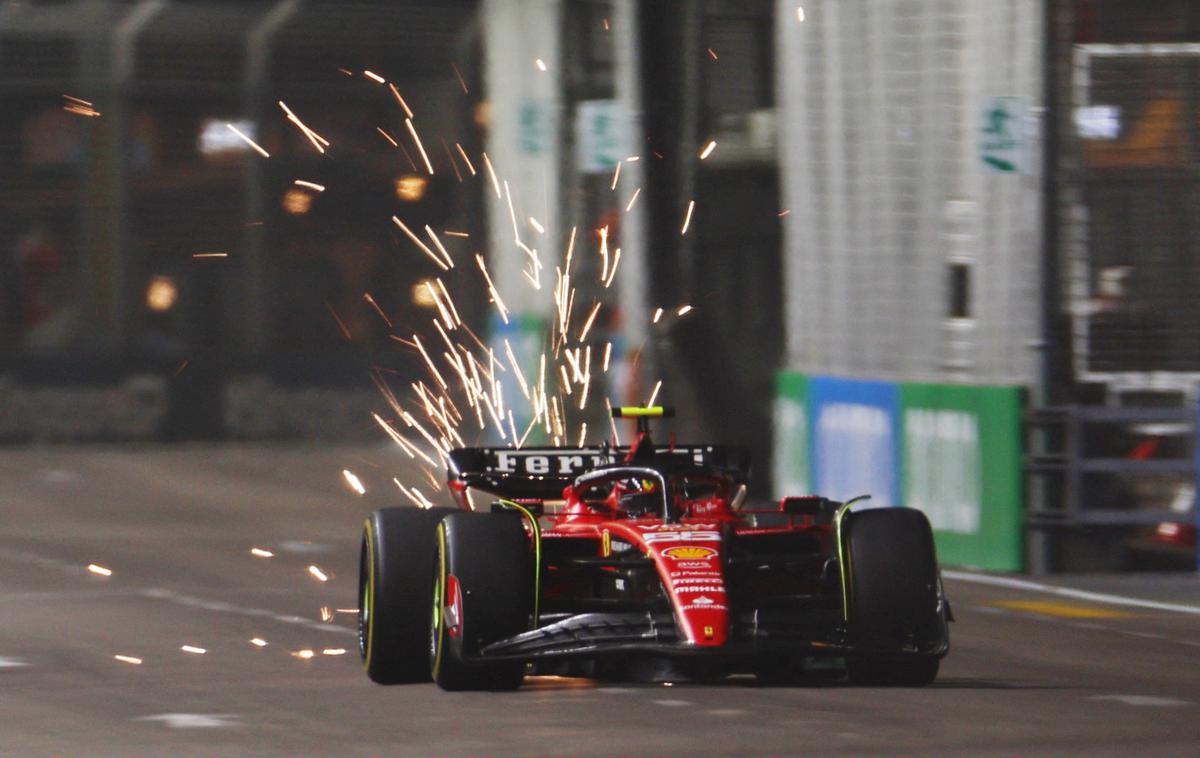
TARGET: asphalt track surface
(1030,672)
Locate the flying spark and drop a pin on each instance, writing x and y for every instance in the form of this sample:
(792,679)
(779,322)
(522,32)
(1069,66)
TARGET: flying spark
(310,185)
(304,654)
(784,212)
(248,141)
(128,659)
(334,651)
(320,575)
(413,131)
(326,614)
(633,199)
(210,255)
(658,312)
(261,553)
(654,394)
(707,151)
(683,310)
(687,220)
(800,14)
(193,649)
(712,53)
(400,99)
(258,642)
(541,64)
(97,569)
(374,77)
(354,482)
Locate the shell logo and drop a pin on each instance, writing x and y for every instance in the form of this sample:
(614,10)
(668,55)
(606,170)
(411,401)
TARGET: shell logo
(690,552)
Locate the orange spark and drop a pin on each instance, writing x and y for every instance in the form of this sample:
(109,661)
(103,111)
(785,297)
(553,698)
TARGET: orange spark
(248,141)
(412,130)
(707,151)
(400,99)
(387,137)
(463,153)
(687,220)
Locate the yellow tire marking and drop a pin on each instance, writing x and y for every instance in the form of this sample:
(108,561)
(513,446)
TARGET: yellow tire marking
(439,599)
(370,598)
(1061,610)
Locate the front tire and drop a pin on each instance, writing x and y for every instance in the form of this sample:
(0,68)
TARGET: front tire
(482,593)
(393,593)
(895,620)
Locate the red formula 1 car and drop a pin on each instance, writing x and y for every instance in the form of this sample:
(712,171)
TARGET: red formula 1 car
(642,562)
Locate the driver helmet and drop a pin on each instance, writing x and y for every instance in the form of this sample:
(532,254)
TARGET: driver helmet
(640,497)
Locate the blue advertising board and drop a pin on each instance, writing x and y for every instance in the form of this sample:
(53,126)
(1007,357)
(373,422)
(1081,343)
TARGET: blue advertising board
(854,442)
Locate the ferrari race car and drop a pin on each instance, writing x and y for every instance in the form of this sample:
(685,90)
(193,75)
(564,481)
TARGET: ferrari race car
(642,562)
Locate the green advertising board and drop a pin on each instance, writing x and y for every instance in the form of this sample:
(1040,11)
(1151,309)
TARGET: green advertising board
(961,465)
(791,464)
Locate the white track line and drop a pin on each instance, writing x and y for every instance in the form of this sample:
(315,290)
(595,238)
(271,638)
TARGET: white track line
(1096,597)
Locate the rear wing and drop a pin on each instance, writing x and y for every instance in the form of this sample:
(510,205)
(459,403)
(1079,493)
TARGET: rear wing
(541,473)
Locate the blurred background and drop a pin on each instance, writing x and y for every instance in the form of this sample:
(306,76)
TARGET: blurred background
(940,250)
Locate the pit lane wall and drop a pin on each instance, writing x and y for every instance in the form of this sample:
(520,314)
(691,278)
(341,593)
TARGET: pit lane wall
(953,451)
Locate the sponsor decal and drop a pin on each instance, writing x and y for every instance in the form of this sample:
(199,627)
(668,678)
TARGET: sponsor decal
(565,462)
(699,588)
(695,565)
(690,552)
(605,544)
(682,537)
(702,600)
(675,527)
(708,632)
(709,576)
(704,607)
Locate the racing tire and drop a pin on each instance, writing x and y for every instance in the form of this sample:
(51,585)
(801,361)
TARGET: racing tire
(894,616)
(394,594)
(482,592)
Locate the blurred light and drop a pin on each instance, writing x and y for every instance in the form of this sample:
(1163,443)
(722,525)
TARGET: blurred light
(422,296)
(482,115)
(216,138)
(128,659)
(800,14)
(96,569)
(193,649)
(305,654)
(1098,121)
(297,202)
(411,188)
(541,64)
(1168,529)
(161,294)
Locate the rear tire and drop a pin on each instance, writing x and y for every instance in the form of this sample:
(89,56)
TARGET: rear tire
(487,556)
(893,598)
(394,594)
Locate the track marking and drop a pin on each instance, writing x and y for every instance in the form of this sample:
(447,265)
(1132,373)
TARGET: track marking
(220,606)
(1150,701)
(1061,610)
(193,720)
(1096,597)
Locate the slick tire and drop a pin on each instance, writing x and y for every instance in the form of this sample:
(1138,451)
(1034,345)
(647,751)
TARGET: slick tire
(394,593)
(892,579)
(482,593)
